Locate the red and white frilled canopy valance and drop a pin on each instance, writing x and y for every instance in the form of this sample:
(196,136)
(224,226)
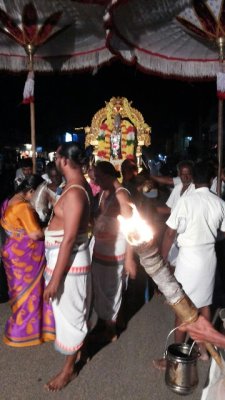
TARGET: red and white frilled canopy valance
(67,35)
(179,40)
(170,37)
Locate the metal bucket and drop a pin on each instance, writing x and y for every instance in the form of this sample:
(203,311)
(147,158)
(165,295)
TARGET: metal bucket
(181,369)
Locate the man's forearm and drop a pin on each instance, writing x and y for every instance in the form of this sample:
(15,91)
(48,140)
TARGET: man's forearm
(155,267)
(167,242)
(163,180)
(163,210)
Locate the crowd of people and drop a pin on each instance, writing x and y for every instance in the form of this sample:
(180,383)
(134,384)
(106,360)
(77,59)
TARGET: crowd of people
(68,262)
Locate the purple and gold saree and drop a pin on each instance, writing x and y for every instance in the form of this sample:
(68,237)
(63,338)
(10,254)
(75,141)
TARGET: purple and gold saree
(31,322)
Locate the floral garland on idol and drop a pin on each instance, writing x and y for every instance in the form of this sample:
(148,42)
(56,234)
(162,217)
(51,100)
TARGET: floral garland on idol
(104,142)
(127,140)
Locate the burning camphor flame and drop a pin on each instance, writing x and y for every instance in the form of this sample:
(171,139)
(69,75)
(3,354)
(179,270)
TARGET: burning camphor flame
(135,229)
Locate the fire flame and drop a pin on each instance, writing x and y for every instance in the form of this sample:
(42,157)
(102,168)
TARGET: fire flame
(135,229)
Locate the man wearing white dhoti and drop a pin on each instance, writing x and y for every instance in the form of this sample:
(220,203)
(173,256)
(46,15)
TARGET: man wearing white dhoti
(111,254)
(67,272)
(196,218)
(70,321)
(182,189)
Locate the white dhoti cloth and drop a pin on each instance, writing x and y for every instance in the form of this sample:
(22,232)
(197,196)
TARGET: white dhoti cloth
(108,274)
(195,270)
(173,253)
(72,303)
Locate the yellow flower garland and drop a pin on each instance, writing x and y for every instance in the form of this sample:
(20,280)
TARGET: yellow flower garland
(127,146)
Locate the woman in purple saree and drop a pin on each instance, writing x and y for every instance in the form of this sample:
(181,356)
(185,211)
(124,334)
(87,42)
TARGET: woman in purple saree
(31,322)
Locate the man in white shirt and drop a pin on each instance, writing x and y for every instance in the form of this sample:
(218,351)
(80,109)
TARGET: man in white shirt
(25,170)
(196,219)
(184,188)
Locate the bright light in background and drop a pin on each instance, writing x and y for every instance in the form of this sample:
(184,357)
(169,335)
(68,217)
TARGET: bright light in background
(51,156)
(75,137)
(161,157)
(187,141)
(68,137)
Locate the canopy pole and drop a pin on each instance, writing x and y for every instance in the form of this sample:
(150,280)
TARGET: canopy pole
(220,43)
(30,51)
(220,145)
(33,137)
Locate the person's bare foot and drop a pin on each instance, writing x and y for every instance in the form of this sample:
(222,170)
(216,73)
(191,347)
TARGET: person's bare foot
(203,354)
(160,364)
(60,381)
(204,357)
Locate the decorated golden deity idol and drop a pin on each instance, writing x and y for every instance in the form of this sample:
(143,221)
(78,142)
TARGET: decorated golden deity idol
(115,139)
(117,132)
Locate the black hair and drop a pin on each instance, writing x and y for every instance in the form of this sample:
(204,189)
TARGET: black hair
(128,164)
(73,152)
(26,162)
(50,166)
(108,169)
(31,182)
(186,164)
(203,173)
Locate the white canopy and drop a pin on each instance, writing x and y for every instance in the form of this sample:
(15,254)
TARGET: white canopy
(86,34)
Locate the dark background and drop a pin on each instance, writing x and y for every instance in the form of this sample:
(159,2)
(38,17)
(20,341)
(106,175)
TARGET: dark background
(65,101)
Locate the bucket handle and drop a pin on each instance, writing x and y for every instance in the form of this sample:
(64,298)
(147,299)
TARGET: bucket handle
(166,345)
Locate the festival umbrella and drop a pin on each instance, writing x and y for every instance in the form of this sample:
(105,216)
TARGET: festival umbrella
(76,30)
(177,41)
(88,24)
(188,44)
(54,35)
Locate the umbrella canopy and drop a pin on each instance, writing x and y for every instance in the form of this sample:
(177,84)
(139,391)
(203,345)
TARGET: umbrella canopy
(180,40)
(72,35)
(66,35)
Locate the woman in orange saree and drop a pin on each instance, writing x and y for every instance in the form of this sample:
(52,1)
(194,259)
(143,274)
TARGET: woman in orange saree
(23,257)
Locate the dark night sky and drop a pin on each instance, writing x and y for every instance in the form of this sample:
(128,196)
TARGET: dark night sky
(66,101)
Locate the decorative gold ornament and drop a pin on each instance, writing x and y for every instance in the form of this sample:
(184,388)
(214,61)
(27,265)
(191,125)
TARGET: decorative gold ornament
(102,125)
